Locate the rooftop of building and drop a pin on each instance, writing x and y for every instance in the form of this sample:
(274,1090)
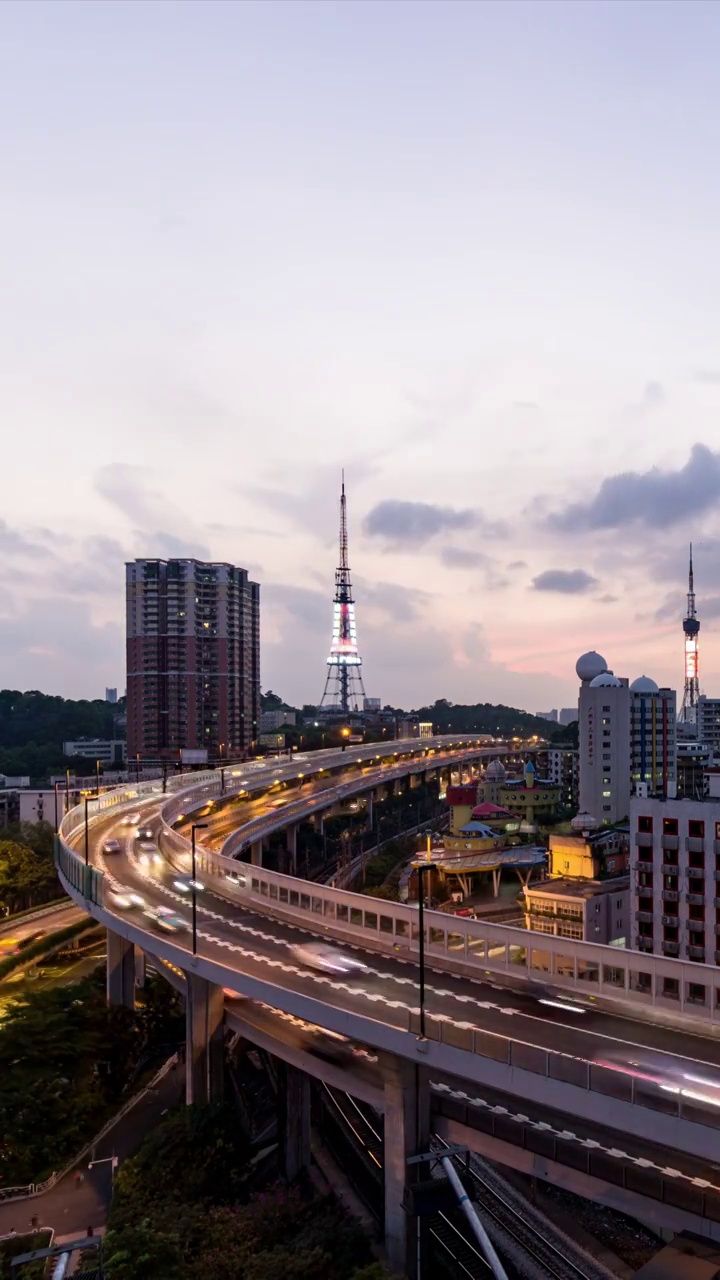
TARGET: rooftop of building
(578,887)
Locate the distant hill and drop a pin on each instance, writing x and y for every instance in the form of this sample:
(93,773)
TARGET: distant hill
(33,727)
(485,717)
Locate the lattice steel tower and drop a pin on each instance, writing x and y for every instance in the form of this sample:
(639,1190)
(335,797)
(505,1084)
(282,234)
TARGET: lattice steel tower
(343,687)
(691,628)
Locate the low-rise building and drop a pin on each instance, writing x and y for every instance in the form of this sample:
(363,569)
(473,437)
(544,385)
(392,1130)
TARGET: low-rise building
(531,799)
(106,750)
(590,910)
(271,721)
(562,769)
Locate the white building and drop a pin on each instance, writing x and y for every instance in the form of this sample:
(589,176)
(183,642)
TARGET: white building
(604,740)
(676,856)
(111,695)
(106,750)
(271,721)
(562,770)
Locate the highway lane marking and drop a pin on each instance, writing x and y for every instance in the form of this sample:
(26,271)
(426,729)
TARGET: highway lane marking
(569,1136)
(385,976)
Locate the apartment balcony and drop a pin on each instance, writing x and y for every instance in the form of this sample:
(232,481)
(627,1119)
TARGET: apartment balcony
(694,873)
(670,869)
(670,842)
(695,844)
(672,921)
(695,899)
(645,917)
(695,953)
(647,866)
(671,948)
(644,839)
(646,944)
(671,895)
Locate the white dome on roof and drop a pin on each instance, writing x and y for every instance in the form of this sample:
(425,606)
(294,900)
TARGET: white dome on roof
(606,680)
(643,684)
(495,772)
(590,665)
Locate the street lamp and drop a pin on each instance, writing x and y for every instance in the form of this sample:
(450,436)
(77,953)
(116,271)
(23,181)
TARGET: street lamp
(345,734)
(57,825)
(87,832)
(421,868)
(196,826)
(137,768)
(67,791)
(97,777)
(111,1160)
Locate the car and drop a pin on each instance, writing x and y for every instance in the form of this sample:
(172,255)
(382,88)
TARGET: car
(148,854)
(144,833)
(111,846)
(318,955)
(125,899)
(131,819)
(166,919)
(186,884)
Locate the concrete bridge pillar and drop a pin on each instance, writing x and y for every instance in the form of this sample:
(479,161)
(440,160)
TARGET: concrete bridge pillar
(293,1120)
(120,979)
(407,1133)
(291,835)
(370,809)
(140,967)
(256,853)
(398,786)
(204,1051)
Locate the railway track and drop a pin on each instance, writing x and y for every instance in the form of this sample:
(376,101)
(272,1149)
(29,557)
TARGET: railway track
(526,1227)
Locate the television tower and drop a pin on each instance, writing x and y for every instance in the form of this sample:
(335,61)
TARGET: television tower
(344,686)
(691,628)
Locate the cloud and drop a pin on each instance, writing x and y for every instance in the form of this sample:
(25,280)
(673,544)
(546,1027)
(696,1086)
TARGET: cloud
(518,564)
(55,644)
(413,524)
(126,487)
(709,376)
(657,499)
(570,582)
(653,396)
(463,558)
(14,543)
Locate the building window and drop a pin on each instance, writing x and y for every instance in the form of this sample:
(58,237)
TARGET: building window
(696,992)
(671,988)
(696,829)
(645,824)
(670,826)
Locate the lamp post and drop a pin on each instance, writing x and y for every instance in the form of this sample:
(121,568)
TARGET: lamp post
(422,867)
(67,791)
(345,733)
(97,777)
(137,768)
(87,832)
(197,826)
(57,824)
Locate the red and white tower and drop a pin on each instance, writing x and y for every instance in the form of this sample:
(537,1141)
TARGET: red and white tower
(691,629)
(343,687)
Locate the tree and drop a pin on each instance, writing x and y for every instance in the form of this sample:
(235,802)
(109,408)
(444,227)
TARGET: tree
(25,877)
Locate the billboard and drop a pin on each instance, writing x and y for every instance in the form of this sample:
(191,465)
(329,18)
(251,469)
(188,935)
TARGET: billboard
(194,755)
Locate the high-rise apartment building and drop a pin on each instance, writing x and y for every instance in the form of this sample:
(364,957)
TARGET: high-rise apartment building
(193,658)
(676,859)
(628,740)
(653,746)
(708,723)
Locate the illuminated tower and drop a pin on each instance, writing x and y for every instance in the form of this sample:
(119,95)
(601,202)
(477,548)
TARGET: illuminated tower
(344,687)
(691,627)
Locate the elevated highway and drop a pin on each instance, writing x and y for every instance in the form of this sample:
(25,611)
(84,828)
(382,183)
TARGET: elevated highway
(485,1025)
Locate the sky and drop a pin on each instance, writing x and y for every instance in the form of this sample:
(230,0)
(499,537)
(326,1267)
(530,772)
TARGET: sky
(466,251)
